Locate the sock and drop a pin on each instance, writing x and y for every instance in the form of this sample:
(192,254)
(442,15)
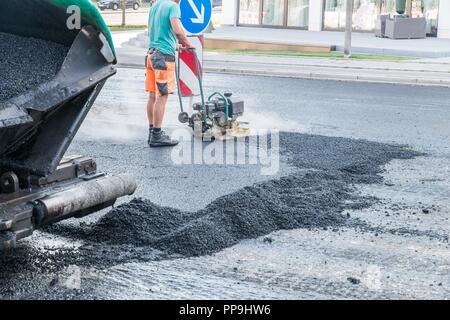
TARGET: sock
(151,127)
(156,130)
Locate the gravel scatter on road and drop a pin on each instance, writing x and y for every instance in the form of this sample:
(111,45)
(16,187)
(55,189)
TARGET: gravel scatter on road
(359,161)
(314,196)
(25,63)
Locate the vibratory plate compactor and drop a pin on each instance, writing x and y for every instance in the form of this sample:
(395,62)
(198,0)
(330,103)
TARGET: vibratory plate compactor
(215,117)
(38,184)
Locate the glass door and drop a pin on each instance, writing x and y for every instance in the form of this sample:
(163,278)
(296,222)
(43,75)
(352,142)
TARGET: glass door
(273,12)
(298,13)
(428,9)
(334,16)
(364,15)
(276,13)
(249,12)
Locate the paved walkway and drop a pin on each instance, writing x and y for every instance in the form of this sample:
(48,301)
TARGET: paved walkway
(406,72)
(362,42)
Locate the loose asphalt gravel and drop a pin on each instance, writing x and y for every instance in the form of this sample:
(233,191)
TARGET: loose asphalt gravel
(25,63)
(313,196)
(142,244)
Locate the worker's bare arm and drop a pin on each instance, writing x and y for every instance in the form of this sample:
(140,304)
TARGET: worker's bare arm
(179,32)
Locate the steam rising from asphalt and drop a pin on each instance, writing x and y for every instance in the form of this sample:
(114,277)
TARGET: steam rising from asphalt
(120,113)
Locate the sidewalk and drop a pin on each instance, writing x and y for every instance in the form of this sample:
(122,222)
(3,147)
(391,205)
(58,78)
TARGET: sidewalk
(405,72)
(362,42)
(434,72)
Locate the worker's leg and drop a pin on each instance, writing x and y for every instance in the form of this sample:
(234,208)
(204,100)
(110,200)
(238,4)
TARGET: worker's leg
(159,137)
(150,108)
(165,79)
(150,87)
(159,110)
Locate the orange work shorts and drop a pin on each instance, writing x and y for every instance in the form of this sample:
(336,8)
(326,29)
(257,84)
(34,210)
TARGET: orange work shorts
(160,77)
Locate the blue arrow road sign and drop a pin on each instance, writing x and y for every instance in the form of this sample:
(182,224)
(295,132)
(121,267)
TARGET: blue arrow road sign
(195,15)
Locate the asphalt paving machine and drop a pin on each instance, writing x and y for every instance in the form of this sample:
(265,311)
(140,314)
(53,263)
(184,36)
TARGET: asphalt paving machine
(39,185)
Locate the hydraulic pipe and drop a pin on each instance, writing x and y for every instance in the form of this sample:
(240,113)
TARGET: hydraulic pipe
(84,196)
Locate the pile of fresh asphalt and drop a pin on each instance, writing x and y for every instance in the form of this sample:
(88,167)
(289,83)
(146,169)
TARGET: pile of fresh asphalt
(25,63)
(314,196)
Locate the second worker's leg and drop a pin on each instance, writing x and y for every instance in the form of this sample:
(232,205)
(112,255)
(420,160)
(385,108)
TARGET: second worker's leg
(150,110)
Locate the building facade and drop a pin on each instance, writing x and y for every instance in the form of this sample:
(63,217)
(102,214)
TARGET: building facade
(318,15)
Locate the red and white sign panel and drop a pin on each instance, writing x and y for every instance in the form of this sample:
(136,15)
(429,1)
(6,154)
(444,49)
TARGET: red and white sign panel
(188,71)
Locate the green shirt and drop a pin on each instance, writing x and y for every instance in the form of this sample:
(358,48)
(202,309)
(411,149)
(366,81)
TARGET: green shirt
(161,33)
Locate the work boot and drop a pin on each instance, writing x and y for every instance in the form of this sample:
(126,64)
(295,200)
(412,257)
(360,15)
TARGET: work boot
(150,132)
(161,139)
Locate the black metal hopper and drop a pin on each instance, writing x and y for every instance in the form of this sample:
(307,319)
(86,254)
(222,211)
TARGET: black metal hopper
(38,186)
(37,127)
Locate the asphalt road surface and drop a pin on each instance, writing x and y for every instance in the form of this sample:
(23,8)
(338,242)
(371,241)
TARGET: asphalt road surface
(402,250)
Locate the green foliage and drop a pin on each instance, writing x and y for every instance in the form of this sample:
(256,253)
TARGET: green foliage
(287,53)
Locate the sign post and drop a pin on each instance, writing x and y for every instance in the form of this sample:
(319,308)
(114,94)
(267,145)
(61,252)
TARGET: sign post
(195,18)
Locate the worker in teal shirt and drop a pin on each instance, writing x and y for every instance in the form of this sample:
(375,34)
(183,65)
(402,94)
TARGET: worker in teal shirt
(165,33)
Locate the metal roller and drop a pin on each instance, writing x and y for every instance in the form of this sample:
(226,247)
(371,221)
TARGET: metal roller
(82,199)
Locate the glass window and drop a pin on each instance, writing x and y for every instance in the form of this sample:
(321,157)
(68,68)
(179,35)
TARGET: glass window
(249,11)
(334,17)
(273,12)
(365,15)
(298,13)
(428,9)
(388,7)
(419,8)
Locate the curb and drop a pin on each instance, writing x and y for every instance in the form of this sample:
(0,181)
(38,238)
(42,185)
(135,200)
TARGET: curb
(397,52)
(318,76)
(335,77)
(349,67)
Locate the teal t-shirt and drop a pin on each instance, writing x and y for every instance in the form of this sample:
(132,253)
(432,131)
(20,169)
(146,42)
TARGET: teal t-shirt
(161,33)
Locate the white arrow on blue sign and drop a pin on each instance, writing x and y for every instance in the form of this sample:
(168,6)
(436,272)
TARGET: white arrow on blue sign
(195,15)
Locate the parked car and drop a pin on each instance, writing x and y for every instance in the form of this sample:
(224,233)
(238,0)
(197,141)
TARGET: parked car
(115,4)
